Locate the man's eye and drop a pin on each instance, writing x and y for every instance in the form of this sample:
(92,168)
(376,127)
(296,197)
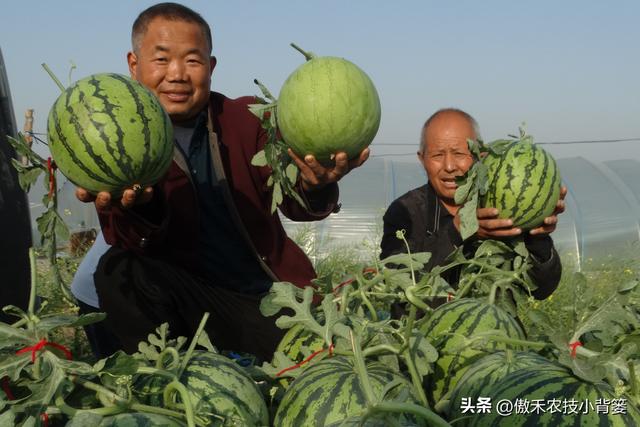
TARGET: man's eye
(161,59)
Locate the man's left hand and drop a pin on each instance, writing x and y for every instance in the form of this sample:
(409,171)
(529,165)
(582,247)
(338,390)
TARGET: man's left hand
(550,222)
(315,176)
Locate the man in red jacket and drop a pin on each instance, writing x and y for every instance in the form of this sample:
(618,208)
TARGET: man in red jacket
(203,238)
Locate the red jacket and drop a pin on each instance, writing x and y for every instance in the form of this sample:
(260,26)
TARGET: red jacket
(168,227)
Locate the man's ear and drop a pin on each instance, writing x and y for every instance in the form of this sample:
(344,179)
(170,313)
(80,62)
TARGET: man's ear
(212,63)
(132,60)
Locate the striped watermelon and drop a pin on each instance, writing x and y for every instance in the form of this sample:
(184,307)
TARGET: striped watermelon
(217,386)
(447,328)
(485,372)
(549,386)
(329,392)
(298,342)
(107,133)
(524,184)
(134,419)
(327,105)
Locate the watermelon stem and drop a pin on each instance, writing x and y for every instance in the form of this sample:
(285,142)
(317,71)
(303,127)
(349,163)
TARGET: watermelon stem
(308,55)
(182,391)
(361,369)
(53,77)
(431,417)
(192,345)
(633,381)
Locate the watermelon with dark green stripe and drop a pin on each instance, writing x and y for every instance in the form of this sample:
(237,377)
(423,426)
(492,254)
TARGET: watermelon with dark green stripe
(524,184)
(140,419)
(553,389)
(449,326)
(487,371)
(217,385)
(299,343)
(329,392)
(108,132)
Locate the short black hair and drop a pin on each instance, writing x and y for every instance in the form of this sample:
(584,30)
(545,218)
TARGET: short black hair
(171,12)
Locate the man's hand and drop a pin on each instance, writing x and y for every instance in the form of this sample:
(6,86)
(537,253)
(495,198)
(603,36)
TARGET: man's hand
(550,222)
(130,198)
(315,176)
(492,227)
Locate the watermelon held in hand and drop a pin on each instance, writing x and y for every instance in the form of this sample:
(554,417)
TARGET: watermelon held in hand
(108,132)
(524,184)
(328,105)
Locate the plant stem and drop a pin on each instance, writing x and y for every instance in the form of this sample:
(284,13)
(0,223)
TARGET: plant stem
(516,342)
(308,55)
(633,381)
(34,287)
(53,77)
(408,356)
(194,342)
(431,417)
(361,369)
(184,396)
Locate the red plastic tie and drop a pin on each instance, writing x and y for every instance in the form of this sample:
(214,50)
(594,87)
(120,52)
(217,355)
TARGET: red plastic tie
(42,344)
(449,296)
(51,167)
(45,419)
(6,389)
(307,360)
(574,348)
(347,282)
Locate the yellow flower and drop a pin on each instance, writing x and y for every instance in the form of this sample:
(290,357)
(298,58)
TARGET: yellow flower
(628,271)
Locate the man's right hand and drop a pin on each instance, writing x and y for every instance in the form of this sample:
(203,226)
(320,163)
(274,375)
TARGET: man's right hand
(490,226)
(103,200)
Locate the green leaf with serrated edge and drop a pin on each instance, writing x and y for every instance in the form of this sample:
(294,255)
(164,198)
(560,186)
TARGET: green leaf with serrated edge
(277,196)
(292,173)
(61,229)
(280,364)
(423,353)
(469,218)
(119,363)
(204,341)
(499,146)
(74,367)
(259,159)
(408,260)
(628,286)
(10,336)
(50,322)
(491,247)
(7,418)
(466,184)
(12,365)
(43,390)
(27,175)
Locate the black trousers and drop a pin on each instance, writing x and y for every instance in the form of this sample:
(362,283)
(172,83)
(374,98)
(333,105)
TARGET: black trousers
(140,293)
(103,343)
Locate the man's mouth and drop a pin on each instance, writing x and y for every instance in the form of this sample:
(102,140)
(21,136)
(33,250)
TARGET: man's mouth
(177,96)
(449,183)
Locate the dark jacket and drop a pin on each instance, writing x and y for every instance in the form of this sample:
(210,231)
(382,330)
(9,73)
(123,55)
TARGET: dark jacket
(429,228)
(167,227)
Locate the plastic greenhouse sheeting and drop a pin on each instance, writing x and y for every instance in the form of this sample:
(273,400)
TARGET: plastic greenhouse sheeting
(601,218)
(602,215)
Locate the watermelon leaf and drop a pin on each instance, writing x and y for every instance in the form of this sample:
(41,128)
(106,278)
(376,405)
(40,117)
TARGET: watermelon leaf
(259,159)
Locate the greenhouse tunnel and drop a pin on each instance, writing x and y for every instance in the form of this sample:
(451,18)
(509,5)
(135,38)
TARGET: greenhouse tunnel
(601,218)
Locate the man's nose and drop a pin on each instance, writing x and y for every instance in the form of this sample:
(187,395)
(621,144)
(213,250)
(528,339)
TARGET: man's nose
(176,71)
(449,162)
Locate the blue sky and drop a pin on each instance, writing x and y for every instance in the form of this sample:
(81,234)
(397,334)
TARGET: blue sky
(570,69)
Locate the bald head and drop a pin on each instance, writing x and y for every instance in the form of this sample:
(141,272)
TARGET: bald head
(443,116)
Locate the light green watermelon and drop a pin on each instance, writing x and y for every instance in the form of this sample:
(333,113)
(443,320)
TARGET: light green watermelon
(328,105)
